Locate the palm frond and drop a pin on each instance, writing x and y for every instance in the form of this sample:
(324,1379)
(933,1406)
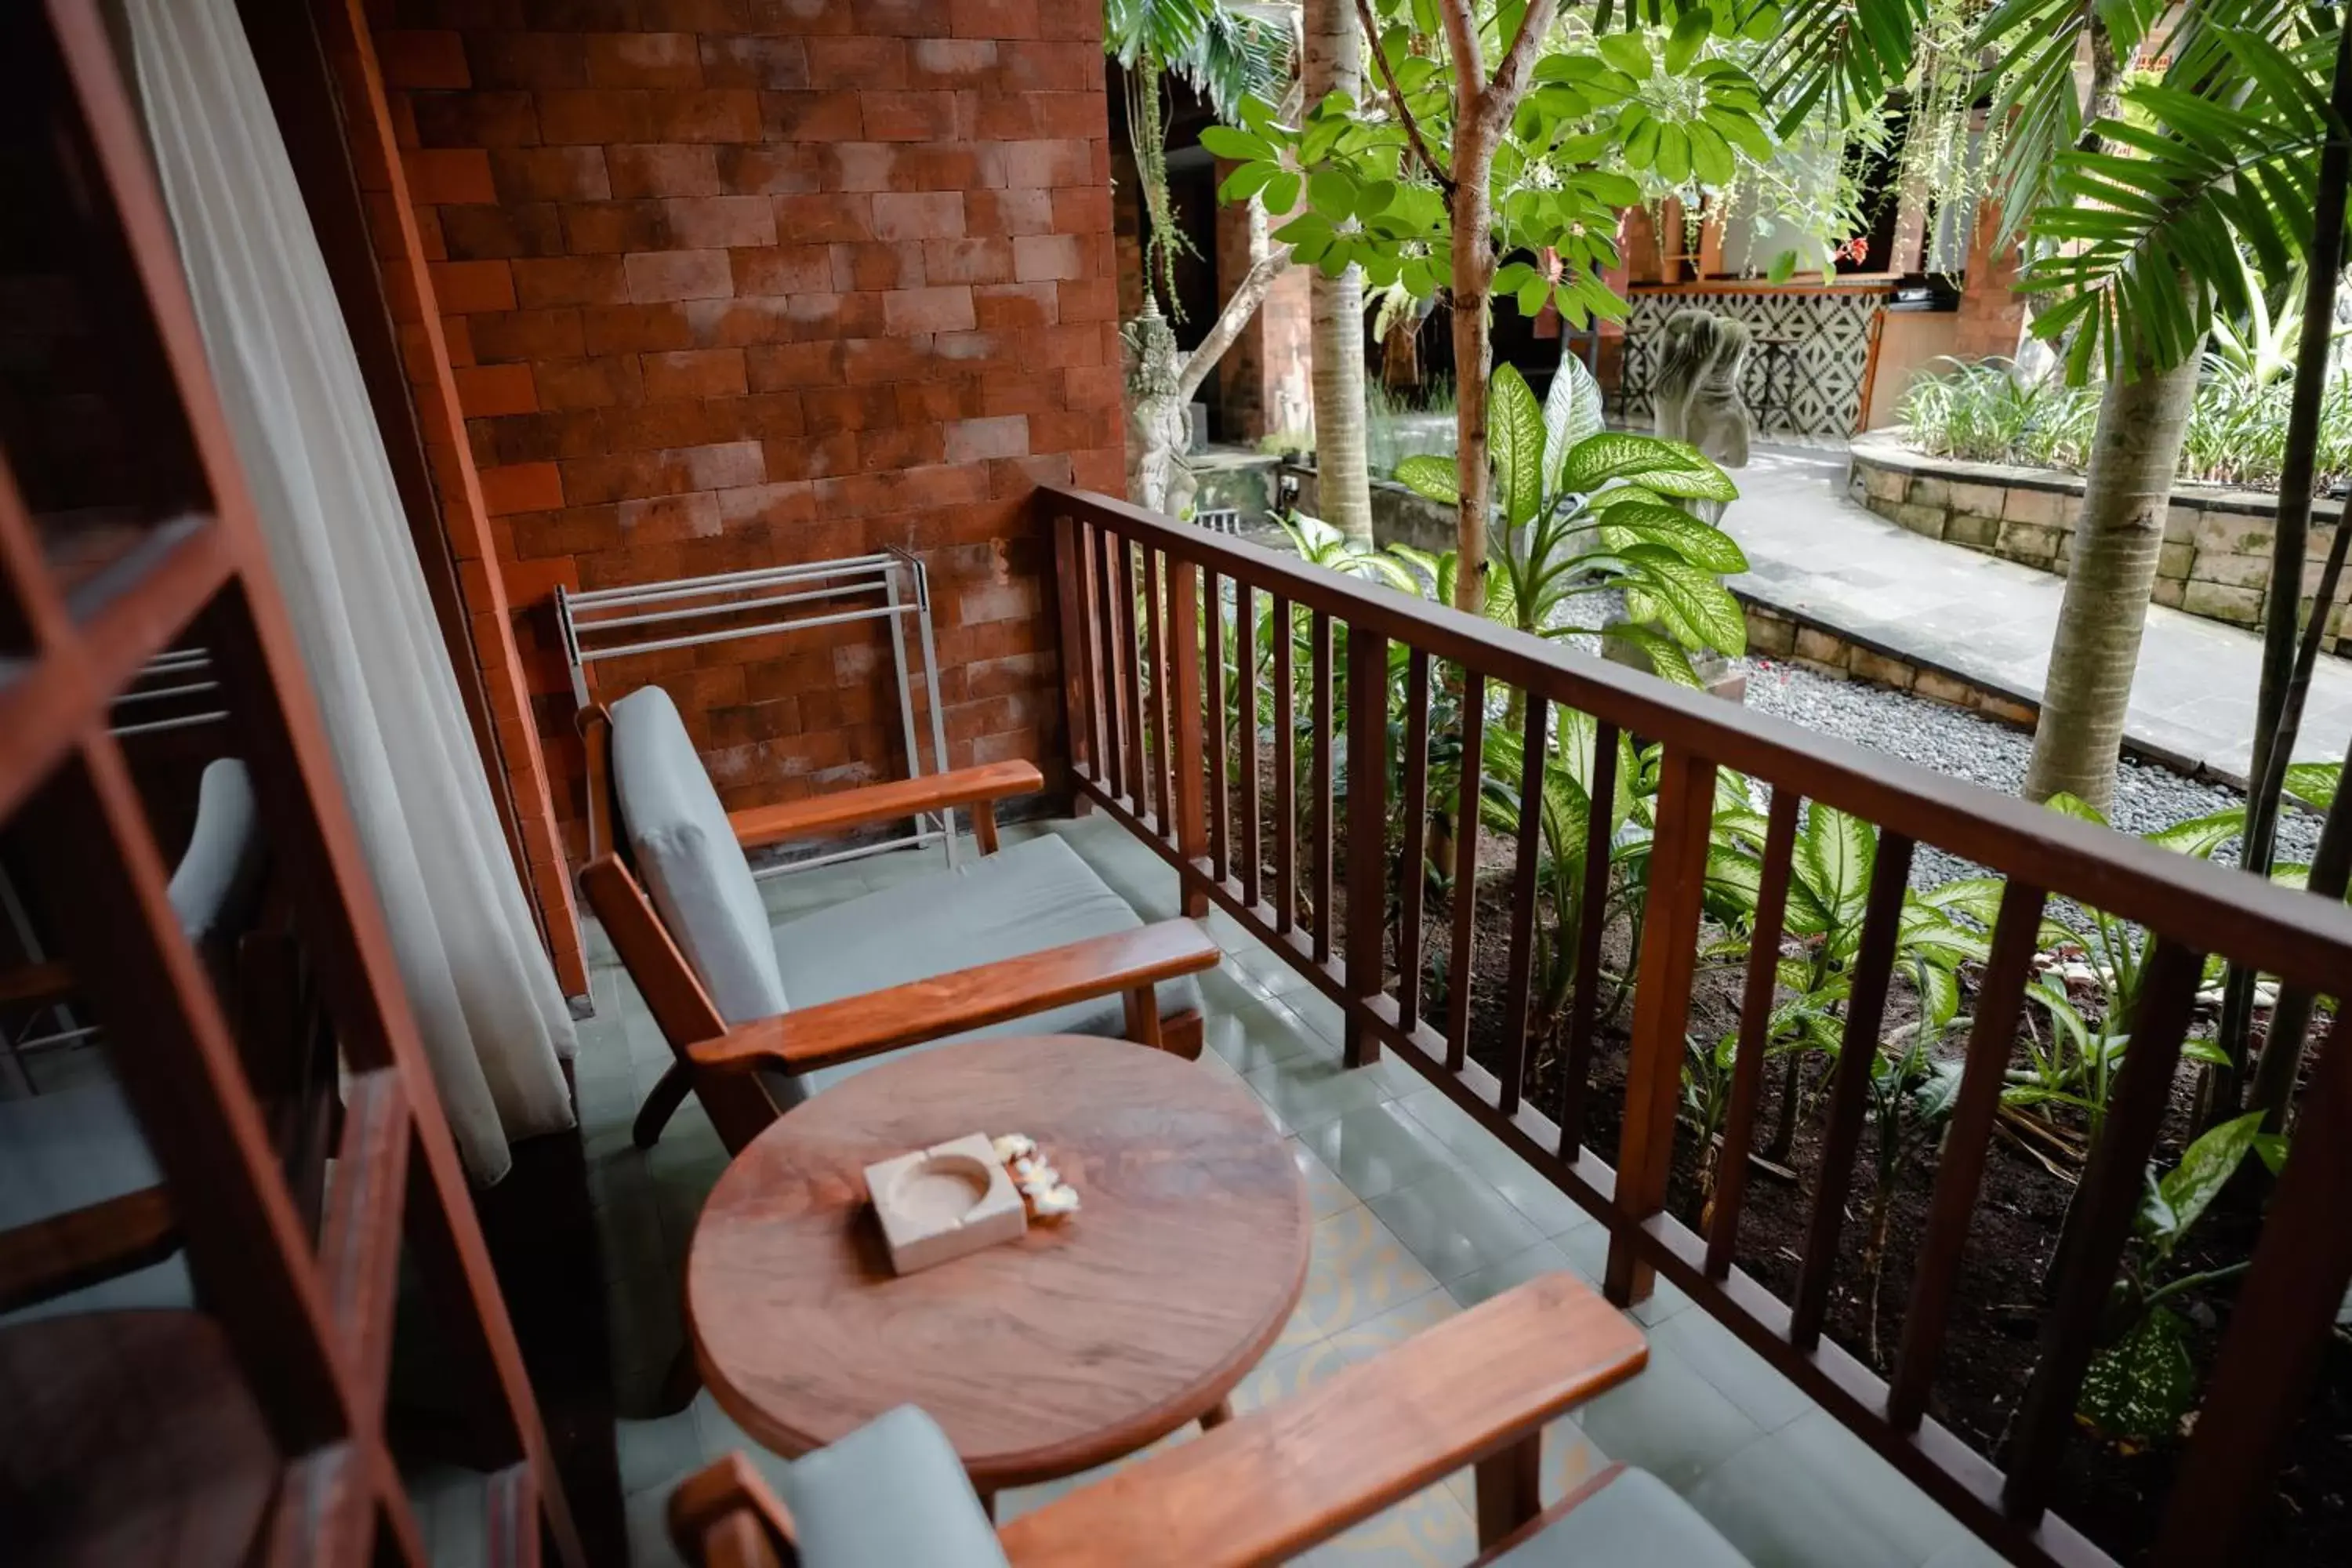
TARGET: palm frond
(2146,233)
(1846,54)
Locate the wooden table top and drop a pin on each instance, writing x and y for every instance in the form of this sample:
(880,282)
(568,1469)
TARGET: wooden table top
(1084,1341)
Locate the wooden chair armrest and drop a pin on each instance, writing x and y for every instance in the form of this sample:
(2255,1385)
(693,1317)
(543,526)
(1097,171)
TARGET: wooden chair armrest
(725,1516)
(36,983)
(1277,1480)
(834,1032)
(83,1247)
(880,802)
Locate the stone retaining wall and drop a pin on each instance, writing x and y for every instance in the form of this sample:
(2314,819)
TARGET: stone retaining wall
(2216,558)
(1774,634)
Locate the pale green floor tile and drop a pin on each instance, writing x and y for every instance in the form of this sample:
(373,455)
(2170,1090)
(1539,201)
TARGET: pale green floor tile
(1326,1195)
(1308,1091)
(646,1517)
(1552,1211)
(1813,1495)
(655,1453)
(1670,1421)
(1967,1551)
(1261,1035)
(1375,1150)
(1738,1373)
(1265,973)
(1455,1223)
(1543,1258)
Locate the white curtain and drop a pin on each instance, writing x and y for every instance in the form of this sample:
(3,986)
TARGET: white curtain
(486,998)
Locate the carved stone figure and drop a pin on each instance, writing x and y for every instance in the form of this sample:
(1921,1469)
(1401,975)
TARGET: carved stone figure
(1159,423)
(1701,359)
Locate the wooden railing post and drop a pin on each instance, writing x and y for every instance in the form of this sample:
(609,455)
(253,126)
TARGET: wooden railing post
(1184,697)
(1653,1075)
(2091,1248)
(2263,1379)
(1076,657)
(1368,859)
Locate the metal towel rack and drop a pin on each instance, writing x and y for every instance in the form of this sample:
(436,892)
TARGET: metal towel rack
(890,587)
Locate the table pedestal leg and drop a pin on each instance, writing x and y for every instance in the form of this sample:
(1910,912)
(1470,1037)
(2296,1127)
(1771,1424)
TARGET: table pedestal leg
(988,1505)
(1216,1415)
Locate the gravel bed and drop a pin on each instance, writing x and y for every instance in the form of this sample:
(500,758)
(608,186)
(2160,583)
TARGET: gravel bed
(1963,746)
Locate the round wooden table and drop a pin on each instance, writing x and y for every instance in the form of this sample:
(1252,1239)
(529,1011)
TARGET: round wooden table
(1082,1341)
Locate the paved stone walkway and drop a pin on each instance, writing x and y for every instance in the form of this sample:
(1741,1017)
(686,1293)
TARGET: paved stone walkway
(1816,554)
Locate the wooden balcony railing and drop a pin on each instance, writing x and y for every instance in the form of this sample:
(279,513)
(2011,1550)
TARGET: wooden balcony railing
(1143,598)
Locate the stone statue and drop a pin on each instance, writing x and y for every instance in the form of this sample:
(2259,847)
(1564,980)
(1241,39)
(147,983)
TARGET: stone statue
(1158,423)
(1695,398)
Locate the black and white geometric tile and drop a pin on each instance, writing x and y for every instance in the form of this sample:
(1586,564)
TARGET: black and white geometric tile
(1804,373)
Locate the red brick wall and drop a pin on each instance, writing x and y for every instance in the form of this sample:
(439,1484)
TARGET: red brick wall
(734,283)
(428,352)
(1992,312)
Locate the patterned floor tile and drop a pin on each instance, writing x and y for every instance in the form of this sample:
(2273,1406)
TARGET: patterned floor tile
(1357,1271)
(1429,1530)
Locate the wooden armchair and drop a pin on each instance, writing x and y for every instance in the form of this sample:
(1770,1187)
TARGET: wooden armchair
(1476,1390)
(867,976)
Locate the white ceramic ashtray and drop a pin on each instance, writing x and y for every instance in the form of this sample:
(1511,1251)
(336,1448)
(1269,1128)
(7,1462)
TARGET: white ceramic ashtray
(940,1203)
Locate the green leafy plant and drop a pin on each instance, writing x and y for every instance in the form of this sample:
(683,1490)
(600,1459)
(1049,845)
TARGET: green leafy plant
(2089,986)
(1830,869)
(2141,1384)
(1570,772)
(1911,1097)
(1988,412)
(1587,511)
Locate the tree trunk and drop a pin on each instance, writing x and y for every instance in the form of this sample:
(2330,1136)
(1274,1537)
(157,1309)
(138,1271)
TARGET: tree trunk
(2087,694)
(1334,63)
(1474,265)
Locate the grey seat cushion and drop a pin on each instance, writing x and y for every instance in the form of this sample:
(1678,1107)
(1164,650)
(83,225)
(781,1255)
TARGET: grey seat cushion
(892,1494)
(1024,898)
(1634,1519)
(687,853)
(67,1150)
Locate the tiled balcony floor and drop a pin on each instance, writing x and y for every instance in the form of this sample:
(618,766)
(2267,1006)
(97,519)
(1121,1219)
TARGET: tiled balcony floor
(1419,1213)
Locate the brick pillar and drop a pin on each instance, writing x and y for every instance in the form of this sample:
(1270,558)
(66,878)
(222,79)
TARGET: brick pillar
(1992,314)
(1264,380)
(727,286)
(441,372)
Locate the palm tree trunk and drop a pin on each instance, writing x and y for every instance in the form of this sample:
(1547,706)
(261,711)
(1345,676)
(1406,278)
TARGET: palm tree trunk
(1334,63)
(2087,695)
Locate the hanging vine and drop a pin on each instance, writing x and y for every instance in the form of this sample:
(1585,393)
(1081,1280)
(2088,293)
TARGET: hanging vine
(1951,149)
(1147,129)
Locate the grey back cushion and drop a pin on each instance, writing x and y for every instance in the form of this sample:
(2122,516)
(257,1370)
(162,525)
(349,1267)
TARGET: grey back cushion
(891,1494)
(687,854)
(213,886)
